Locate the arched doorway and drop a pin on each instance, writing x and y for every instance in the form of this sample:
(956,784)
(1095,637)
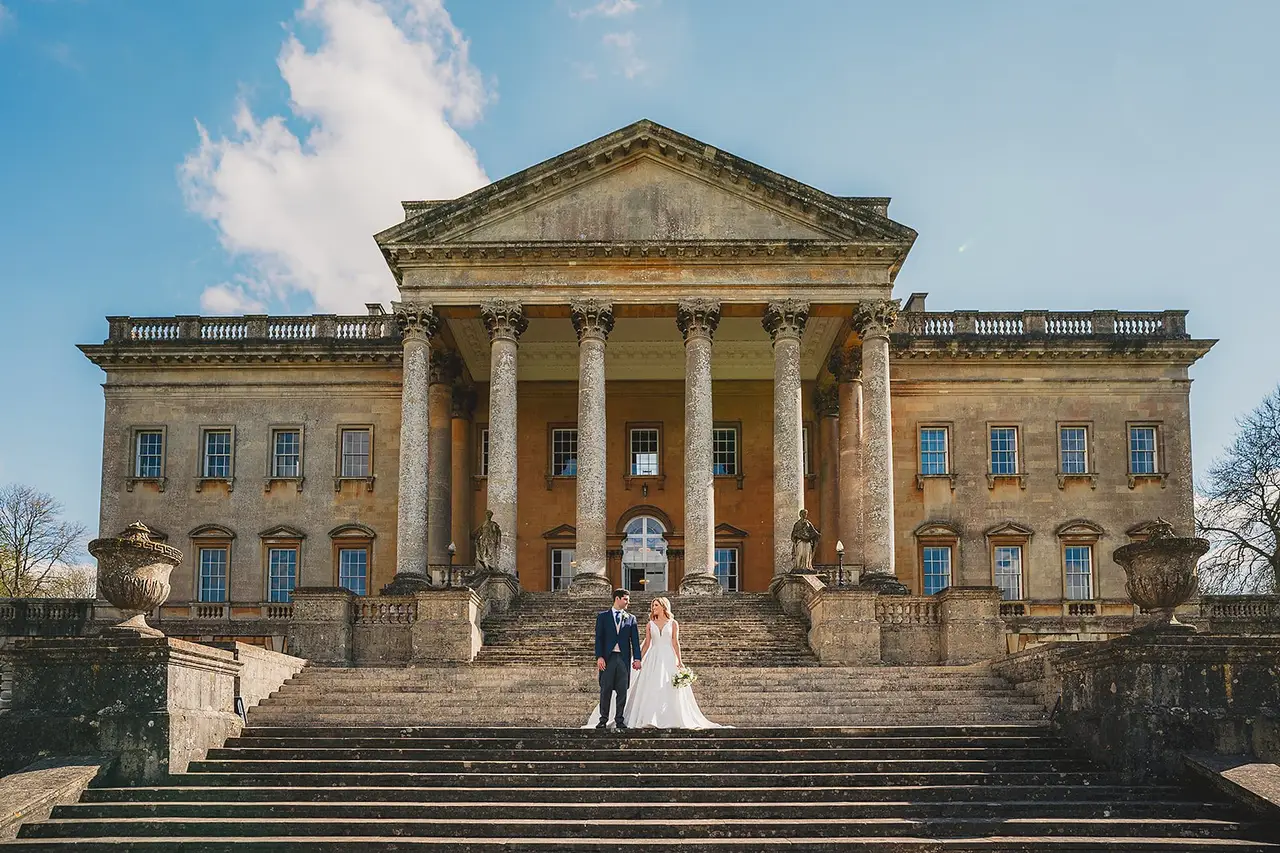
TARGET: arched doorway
(644,555)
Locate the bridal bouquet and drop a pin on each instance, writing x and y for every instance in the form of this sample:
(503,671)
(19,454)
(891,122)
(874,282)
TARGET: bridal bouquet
(683,677)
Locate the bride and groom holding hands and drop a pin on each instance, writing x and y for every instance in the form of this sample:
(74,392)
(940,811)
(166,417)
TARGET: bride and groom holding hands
(655,701)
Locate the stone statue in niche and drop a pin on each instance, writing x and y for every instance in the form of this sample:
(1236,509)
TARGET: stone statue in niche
(804,539)
(488,544)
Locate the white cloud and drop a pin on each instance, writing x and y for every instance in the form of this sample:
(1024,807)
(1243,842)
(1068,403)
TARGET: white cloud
(6,17)
(380,94)
(607,9)
(629,62)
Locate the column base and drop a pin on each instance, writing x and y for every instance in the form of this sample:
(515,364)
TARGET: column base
(700,584)
(884,584)
(407,583)
(590,585)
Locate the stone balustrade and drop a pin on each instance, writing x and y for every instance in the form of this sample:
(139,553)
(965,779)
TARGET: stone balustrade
(1053,324)
(190,329)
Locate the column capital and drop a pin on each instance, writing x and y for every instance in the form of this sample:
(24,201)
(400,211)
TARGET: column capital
(504,319)
(826,401)
(463,403)
(872,319)
(697,317)
(420,323)
(846,364)
(445,367)
(786,319)
(592,318)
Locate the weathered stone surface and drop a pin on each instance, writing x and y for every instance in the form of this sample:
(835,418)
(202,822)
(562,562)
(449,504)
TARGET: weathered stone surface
(971,629)
(418,326)
(505,321)
(445,369)
(873,321)
(844,629)
(785,322)
(1253,784)
(31,793)
(592,321)
(320,626)
(697,321)
(447,628)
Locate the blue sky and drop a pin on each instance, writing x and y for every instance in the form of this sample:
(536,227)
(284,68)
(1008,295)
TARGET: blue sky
(1068,156)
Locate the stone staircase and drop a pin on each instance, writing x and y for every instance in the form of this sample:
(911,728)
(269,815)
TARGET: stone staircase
(738,629)
(474,790)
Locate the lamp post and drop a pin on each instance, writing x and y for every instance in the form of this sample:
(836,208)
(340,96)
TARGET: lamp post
(453,550)
(839,563)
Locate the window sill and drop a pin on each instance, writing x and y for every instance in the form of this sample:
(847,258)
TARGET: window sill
(1020,479)
(368,482)
(737,477)
(551,478)
(921,479)
(645,480)
(160,482)
(1090,478)
(1135,479)
(201,481)
(270,481)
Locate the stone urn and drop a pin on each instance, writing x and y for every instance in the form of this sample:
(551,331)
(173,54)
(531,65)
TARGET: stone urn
(1162,574)
(133,574)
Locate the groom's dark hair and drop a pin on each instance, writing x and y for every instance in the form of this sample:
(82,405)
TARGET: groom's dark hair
(619,592)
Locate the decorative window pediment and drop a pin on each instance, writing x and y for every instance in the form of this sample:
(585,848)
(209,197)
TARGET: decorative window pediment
(282,531)
(212,531)
(563,531)
(352,531)
(1010,529)
(728,531)
(1079,528)
(937,530)
(644,509)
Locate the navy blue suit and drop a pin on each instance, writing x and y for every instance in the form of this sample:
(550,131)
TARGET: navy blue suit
(616,677)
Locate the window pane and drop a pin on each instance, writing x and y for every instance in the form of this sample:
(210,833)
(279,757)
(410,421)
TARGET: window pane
(564,452)
(1074,457)
(149,454)
(213,574)
(353,569)
(724,451)
(282,566)
(484,453)
(644,452)
(933,450)
(1004,450)
(286,461)
(1142,450)
(937,569)
(561,568)
(355,453)
(217,453)
(1008,571)
(1079,560)
(804,450)
(727,568)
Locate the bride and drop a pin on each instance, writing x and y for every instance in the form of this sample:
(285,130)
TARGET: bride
(652,701)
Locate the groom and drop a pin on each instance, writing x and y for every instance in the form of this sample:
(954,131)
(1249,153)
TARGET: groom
(617,643)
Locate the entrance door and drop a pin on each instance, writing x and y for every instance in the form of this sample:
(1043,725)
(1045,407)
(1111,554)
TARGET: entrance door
(644,555)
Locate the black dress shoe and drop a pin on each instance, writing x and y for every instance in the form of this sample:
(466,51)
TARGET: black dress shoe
(602,725)
(621,727)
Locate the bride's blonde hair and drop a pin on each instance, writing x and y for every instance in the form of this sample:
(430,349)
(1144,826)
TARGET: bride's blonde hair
(665,604)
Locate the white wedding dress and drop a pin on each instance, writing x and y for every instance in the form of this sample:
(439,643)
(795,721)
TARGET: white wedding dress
(651,700)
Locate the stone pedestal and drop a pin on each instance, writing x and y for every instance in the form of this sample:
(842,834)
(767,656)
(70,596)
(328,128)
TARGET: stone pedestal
(155,703)
(843,629)
(496,590)
(448,626)
(971,627)
(320,627)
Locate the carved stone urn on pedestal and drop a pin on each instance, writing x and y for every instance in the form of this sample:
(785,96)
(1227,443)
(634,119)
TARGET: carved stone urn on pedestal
(133,574)
(1162,574)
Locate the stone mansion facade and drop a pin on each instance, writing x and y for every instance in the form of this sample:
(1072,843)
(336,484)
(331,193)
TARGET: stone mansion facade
(644,357)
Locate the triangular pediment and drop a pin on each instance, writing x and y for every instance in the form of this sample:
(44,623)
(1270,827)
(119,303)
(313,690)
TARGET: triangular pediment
(1012,529)
(728,531)
(563,531)
(646,183)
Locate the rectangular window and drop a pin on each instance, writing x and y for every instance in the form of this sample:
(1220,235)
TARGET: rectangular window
(933,451)
(805,456)
(564,453)
(148,454)
(213,574)
(1079,560)
(561,568)
(937,568)
(282,574)
(727,568)
(286,453)
(1142,450)
(484,452)
(1073,449)
(355,453)
(217,454)
(1007,561)
(353,569)
(724,451)
(644,452)
(1004,451)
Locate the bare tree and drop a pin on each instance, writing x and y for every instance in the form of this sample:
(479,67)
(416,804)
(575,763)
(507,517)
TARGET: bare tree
(36,543)
(1239,507)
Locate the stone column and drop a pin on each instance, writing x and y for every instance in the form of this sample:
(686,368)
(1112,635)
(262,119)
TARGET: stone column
(593,321)
(826,405)
(462,408)
(785,322)
(697,320)
(417,327)
(872,321)
(505,321)
(445,368)
(846,366)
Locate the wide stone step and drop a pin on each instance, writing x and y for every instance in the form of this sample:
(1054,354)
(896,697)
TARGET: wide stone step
(239,751)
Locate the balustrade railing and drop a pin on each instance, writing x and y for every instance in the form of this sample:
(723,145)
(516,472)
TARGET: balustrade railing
(907,610)
(385,610)
(191,329)
(1058,324)
(45,617)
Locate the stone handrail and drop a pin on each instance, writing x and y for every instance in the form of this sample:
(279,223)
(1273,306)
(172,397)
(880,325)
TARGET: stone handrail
(385,610)
(1240,607)
(908,610)
(45,616)
(254,327)
(1057,324)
